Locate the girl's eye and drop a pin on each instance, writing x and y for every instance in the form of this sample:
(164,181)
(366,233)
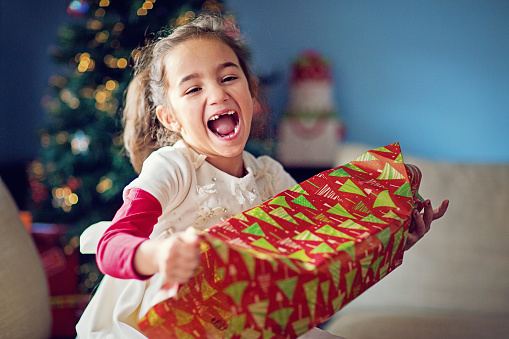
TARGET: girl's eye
(229,78)
(193,90)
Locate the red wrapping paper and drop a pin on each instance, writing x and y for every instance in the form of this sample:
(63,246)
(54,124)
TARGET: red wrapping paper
(287,265)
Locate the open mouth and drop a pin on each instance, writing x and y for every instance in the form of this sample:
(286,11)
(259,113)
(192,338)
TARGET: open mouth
(224,125)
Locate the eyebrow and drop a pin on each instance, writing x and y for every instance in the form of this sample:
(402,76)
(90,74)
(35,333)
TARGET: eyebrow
(220,67)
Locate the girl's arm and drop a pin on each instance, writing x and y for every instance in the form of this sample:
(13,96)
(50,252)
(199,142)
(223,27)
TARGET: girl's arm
(125,250)
(132,225)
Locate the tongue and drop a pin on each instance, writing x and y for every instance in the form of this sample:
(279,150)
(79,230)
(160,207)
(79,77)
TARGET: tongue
(223,126)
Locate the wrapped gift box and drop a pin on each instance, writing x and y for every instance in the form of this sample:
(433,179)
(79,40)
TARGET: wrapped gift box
(289,264)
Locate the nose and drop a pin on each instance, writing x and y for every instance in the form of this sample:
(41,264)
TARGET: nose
(217,94)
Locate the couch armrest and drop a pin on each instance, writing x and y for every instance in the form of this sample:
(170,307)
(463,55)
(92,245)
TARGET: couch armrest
(25,311)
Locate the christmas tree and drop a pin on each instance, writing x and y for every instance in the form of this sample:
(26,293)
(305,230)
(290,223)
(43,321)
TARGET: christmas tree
(82,170)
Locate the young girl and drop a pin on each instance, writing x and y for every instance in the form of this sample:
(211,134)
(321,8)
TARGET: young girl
(187,119)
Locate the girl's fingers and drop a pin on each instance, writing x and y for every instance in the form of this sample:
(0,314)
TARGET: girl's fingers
(420,226)
(183,270)
(427,215)
(190,236)
(439,212)
(179,277)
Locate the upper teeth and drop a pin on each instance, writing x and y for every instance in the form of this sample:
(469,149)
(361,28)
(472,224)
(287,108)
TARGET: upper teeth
(215,117)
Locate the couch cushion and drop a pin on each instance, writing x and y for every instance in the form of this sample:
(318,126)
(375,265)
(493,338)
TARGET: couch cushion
(416,325)
(24,306)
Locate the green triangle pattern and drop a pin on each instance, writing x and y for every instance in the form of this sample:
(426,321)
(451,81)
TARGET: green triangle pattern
(404,190)
(307,236)
(182,334)
(254,229)
(325,290)
(334,269)
(311,291)
(237,324)
(301,200)
(361,207)
(290,264)
(350,276)
(298,189)
(259,213)
(350,187)
(399,159)
(322,248)
(390,173)
(355,168)
(249,261)
(219,273)
(376,264)
(287,286)
(384,236)
(339,173)
(341,211)
(321,217)
(280,201)
(383,270)
(366,264)
(281,316)
(338,301)
(264,244)
(308,266)
(241,216)
(221,249)
(280,212)
(329,230)
(348,247)
(259,312)
(382,149)
(273,263)
(352,225)
(371,218)
(301,326)
(266,334)
(300,255)
(398,236)
(384,199)
(392,215)
(249,333)
(302,216)
(366,157)
(236,291)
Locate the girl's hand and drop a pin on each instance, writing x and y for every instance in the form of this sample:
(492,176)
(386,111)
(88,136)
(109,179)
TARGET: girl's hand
(421,222)
(178,256)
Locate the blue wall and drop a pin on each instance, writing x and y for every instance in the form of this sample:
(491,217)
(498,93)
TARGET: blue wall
(433,75)
(28,29)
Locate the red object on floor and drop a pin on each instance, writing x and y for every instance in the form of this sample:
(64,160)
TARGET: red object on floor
(61,262)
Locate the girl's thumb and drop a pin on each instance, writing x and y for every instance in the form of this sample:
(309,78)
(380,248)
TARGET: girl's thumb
(190,235)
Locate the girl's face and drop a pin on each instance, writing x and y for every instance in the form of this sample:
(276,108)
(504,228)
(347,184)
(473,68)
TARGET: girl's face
(209,98)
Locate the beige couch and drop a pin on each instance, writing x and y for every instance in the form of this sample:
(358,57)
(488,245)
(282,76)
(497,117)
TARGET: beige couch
(454,283)
(24,300)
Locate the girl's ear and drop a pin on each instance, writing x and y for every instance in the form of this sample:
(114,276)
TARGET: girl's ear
(168,119)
